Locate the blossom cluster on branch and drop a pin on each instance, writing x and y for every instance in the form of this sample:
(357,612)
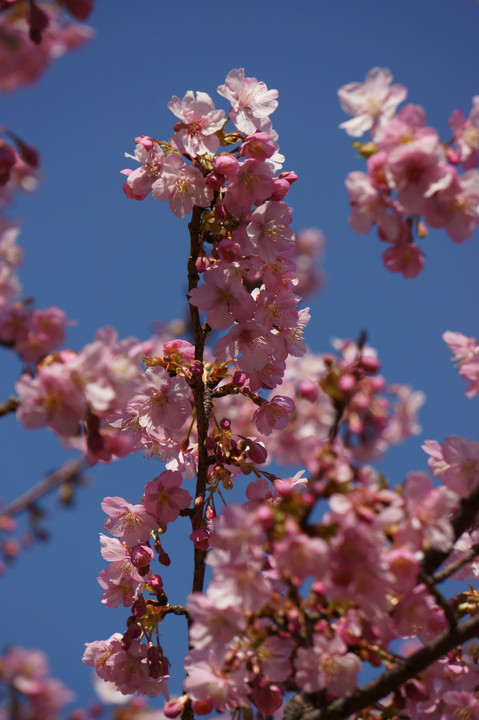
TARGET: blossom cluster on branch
(413,179)
(317,576)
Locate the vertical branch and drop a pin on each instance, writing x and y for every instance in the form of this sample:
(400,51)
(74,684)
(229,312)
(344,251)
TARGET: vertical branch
(198,389)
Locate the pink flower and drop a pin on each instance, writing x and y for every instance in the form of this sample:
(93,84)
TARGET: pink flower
(207,679)
(251,101)
(466,134)
(150,155)
(51,398)
(211,624)
(371,103)
(273,414)
(269,231)
(164,497)
(404,257)
(224,297)
(462,457)
(365,201)
(249,338)
(327,666)
(429,510)
(466,355)
(182,185)
(164,401)
(195,135)
(417,170)
(131,522)
(252,184)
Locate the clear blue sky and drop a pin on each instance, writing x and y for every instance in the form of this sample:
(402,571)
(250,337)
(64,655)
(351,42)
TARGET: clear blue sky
(106,260)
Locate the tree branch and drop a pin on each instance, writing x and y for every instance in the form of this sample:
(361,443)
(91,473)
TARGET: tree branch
(198,389)
(65,473)
(9,406)
(391,680)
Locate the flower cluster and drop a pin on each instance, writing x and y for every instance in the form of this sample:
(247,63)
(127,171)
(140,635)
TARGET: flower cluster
(33,34)
(413,179)
(298,605)
(25,674)
(249,286)
(327,390)
(134,662)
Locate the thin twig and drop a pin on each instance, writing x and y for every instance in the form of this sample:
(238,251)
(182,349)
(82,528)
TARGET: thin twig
(453,567)
(439,598)
(65,473)
(9,406)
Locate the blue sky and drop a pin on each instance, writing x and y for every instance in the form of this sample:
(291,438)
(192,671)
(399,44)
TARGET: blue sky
(107,260)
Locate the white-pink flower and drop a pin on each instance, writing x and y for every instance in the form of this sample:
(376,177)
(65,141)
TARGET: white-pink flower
(131,522)
(251,101)
(195,134)
(371,103)
(182,185)
(327,666)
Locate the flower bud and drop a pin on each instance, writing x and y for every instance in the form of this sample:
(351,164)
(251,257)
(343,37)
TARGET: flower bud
(308,390)
(202,707)
(155,582)
(141,556)
(257,453)
(226,165)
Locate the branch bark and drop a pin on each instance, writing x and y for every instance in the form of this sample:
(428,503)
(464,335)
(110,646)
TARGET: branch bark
(198,389)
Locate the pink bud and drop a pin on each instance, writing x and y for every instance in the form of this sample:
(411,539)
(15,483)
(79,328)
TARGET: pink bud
(369,364)
(141,555)
(215,180)
(144,140)
(238,378)
(347,383)
(290,176)
(202,707)
(173,708)
(226,165)
(138,609)
(268,699)
(228,250)
(308,390)
(280,189)
(283,488)
(201,263)
(257,453)
(155,583)
(265,516)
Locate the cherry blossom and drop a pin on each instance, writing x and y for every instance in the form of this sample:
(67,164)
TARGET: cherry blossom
(195,134)
(251,101)
(371,103)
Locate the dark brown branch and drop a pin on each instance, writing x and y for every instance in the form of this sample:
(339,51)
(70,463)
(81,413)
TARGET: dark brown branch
(453,567)
(65,473)
(175,609)
(9,406)
(391,680)
(198,389)
(439,598)
(461,521)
